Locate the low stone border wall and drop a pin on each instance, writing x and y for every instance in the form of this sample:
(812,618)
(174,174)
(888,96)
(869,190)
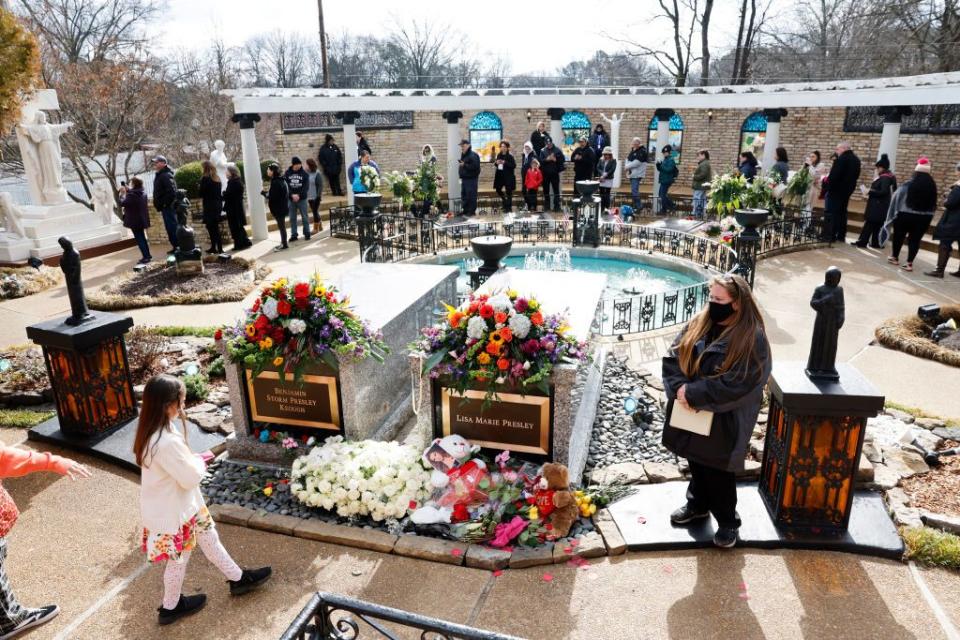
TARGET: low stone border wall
(606,540)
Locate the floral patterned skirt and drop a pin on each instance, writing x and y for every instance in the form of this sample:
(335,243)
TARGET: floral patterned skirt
(161,547)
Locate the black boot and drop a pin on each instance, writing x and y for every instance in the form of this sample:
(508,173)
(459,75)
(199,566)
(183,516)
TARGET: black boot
(188,605)
(942,257)
(250,580)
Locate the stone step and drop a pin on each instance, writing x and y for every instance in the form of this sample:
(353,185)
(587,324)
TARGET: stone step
(82,239)
(64,223)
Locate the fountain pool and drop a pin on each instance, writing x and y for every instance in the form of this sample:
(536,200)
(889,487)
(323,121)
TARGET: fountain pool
(624,277)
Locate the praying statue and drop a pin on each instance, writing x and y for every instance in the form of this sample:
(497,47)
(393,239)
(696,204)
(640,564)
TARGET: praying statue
(70,265)
(40,142)
(219,161)
(828,302)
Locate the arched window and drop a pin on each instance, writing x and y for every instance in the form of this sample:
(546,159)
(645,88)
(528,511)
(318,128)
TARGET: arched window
(676,136)
(486,132)
(753,133)
(575,124)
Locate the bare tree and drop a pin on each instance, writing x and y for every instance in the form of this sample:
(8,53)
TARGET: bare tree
(705,43)
(752,20)
(88,30)
(422,53)
(676,56)
(323,45)
(277,59)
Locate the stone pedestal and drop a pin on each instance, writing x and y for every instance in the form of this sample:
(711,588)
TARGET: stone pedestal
(575,390)
(374,396)
(43,225)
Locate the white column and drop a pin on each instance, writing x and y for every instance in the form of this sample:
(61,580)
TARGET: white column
(663,139)
(251,173)
(772,139)
(556,126)
(349,148)
(614,123)
(453,155)
(889,138)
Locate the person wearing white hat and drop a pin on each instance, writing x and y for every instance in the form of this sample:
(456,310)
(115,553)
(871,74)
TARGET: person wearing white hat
(606,167)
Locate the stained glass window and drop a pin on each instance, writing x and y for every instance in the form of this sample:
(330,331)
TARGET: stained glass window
(753,133)
(486,132)
(675,139)
(575,124)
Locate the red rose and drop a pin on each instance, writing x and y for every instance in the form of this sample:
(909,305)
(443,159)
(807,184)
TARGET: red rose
(301,290)
(486,311)
(277,334)
(218,335)
(301,303)
(283,308)
(460,513)
(262,322)
(256,304)
(330,296)
(503,364)
(412,505)
(474,306)
(500,317)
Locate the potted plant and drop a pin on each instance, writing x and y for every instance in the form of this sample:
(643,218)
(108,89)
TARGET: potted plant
(401,186)
(726,193)
(368,199)
(798,186)
(426,190)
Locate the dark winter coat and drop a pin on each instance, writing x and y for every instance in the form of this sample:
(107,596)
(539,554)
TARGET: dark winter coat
(598,141)
(844,175)
(505,177)
(211,197)
(470,169)
(278,196)
(584,163)
(878,198)
(164,189)
(331,159)
(551,168)
(135,214)
(668,170)
(233,199)
(748,170)
(539,140)
(949,226)
(733,397)
(606,168)
(362,146)
(297,181)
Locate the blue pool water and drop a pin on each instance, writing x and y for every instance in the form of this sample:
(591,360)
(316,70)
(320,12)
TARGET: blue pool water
(624,277)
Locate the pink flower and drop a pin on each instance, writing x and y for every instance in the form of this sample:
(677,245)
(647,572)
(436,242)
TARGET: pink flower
(507,531)
(289,443)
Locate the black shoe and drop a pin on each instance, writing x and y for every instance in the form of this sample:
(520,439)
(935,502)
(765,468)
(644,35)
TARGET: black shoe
(294,238)
(955,274)
(685,514)
(857,244)
(250,580)
(725,538)
(281,247)
(188,605)
(172,251)
(34,618)
(936,273)
(875,246)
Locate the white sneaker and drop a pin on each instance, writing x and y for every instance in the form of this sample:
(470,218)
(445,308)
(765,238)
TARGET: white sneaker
(34,618)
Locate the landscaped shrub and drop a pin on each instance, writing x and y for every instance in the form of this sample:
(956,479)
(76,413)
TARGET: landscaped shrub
(188,178)
(932,547)
(197,387)
(145,349)
(217,368)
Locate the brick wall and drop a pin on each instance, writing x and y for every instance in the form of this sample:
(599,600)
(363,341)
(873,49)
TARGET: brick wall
(802,131)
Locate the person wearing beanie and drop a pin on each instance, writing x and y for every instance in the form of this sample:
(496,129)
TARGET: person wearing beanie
(636,166)
(878,201)
(331,159)
(298,184)
(841,183)
(910,213)
(947,230)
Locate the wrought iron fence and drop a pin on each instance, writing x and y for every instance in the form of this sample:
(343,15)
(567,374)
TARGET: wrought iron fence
(636,314)
(678,244)
(394,238)
(330,616)
(791,232)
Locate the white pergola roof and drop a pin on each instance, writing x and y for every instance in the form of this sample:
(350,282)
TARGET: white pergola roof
(934,88)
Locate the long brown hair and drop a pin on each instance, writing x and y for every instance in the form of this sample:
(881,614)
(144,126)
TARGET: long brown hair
(209,171)
(741,333)
(158,394)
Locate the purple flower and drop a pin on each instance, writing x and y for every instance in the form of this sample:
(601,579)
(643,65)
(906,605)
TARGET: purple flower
(335,322)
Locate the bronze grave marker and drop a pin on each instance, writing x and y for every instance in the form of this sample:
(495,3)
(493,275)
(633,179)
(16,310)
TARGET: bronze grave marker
(519,423)
(314,404)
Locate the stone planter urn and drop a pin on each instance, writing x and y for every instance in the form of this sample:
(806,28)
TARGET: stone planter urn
(587,188)
(368,202)
(491,249)
(750,219)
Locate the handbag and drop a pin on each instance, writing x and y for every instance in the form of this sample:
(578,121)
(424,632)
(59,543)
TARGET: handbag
(8,512)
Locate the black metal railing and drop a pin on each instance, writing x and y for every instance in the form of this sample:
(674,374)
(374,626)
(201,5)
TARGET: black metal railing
(678,244)
(329,616)
(790,233)
(639,313)
(394,238)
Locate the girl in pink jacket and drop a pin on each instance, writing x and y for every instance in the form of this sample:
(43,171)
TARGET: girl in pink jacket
(15,463)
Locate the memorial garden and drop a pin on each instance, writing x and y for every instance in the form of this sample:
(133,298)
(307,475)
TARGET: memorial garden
(438,408)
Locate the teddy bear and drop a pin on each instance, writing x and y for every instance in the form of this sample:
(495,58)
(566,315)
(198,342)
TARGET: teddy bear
(455,476)
(554,500)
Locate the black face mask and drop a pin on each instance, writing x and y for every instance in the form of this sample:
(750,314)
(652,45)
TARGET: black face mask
(720,312)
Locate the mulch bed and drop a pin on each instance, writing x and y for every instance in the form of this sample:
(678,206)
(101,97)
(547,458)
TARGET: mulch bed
(912,335)
(939,490)
(159,285)
(17,282)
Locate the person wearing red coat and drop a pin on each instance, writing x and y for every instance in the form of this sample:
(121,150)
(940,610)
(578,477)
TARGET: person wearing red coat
(532,181)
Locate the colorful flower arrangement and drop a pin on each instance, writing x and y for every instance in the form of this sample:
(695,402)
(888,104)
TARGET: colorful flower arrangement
(727,192)
(367,478)
(497,341)
(294,324)
(369,178)
(427,182)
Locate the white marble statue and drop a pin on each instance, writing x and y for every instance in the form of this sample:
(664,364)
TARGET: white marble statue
(219,160)
(40,142)
(614,123)
(103,203)
(10,217)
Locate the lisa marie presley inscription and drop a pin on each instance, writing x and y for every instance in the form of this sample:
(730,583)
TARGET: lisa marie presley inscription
(482,421)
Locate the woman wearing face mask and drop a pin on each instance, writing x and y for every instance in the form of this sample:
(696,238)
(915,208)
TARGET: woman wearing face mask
(719,363)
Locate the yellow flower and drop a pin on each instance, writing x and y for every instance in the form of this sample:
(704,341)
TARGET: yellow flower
(268,491)
(563,329)
(266,343)
(278,361)
(533,514)
(280,283)
(319,290)
(251,330)
(593,509)
(512,294)
(483,357)
(532,304)
(496,338)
